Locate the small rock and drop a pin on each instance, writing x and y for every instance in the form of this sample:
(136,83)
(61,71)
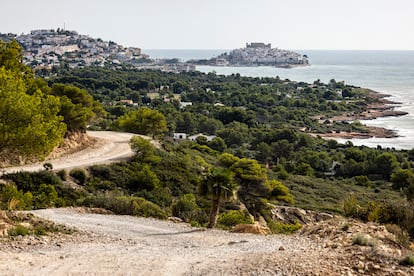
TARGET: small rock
(282,248)
(360,265)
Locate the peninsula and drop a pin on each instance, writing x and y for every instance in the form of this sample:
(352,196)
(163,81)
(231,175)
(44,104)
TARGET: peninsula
(258,54)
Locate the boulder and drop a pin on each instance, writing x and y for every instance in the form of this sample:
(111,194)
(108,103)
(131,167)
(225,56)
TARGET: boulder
(251,228)
(292,215)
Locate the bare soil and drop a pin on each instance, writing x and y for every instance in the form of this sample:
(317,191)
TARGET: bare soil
(124,245)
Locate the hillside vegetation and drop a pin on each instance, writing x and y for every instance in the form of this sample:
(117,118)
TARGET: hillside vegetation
(260,153)
(34,117)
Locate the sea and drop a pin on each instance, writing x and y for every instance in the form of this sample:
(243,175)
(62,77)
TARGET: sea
(388,72)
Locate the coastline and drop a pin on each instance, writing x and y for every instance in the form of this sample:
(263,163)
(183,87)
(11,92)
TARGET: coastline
(382,108)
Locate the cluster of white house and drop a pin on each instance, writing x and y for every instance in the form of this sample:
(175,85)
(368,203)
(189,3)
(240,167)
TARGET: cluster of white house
(185,136)
(45,49)
(48,48)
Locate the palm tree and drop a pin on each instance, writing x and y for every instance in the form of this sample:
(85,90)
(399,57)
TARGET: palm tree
(218,184)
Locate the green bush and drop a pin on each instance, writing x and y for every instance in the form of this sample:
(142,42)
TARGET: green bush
(125,205)
(46,197)
(18,230)
(277,227)
(408,260)
(62,175)
(39,230)
(351,207)
(232,218)
(186,208)
(304,169)
(279,191)
(31,181)
(145,208)
(13,199)
(79,175)
(362,180)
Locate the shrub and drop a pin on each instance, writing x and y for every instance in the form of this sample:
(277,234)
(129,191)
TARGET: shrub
(45,197)
(233,217)
(39,230)
(186,208)
(160,196)
(101,171)
(18,230)
(125,205)
(408,260)
(364,240)
(277,227)
(351,207)
(62,175)
(31,181)
(304,169)
(345,227)
(362,180)
(145,208)
(279,191)
(144,179)
(79,175)
(13,199)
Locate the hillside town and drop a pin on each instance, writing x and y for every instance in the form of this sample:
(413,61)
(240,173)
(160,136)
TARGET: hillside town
(260,54)
(46,49)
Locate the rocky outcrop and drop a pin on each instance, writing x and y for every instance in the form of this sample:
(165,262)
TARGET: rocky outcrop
(4,224)
(292,215)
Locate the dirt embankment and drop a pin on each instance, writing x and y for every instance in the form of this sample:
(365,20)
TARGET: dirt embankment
(97,148)
(124,245)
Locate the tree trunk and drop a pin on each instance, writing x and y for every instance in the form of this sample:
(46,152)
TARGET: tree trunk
(214,212)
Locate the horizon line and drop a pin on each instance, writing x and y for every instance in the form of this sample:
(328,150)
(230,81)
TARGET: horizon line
(224,49)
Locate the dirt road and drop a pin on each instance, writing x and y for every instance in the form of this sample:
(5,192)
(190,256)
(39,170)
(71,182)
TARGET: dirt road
(111,146)
(124,245)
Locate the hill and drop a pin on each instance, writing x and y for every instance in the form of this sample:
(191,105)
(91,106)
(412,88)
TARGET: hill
(44,49)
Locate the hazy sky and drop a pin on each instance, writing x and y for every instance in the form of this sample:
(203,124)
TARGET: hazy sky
(223,24)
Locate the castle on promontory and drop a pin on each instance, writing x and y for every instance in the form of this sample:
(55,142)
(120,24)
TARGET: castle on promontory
(261,54)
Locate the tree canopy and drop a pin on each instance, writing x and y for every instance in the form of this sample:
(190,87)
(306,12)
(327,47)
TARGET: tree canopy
(143,121)
(30,125)
(33,116)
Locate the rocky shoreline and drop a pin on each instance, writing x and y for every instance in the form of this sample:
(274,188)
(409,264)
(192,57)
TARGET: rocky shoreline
(382,108)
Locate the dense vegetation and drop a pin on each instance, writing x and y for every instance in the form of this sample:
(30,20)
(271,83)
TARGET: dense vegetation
(33,116)
(261,154)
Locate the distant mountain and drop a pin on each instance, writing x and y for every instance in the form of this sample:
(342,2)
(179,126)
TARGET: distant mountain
(258,54)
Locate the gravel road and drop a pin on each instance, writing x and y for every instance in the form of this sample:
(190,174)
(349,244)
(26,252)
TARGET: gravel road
(125,245)
(111,146)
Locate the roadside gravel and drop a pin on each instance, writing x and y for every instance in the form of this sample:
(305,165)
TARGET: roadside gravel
(124,245)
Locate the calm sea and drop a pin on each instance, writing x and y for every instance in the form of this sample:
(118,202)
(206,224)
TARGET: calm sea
(390,72)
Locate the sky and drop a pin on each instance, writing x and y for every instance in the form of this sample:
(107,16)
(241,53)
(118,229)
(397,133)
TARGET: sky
(223,24)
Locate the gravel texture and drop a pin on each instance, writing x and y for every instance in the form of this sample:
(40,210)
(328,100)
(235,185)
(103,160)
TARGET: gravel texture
(125,245)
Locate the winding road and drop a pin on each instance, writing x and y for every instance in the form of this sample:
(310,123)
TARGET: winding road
(111,147)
